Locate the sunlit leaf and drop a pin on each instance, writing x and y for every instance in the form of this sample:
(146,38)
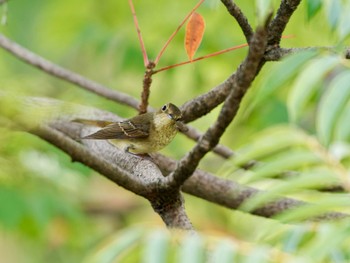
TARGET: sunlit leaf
(306,84)
(194,34)
(332,104)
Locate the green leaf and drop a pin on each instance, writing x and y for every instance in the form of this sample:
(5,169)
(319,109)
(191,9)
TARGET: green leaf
(342,128)
(332,104)
(280,74)
(324,204)
(306,84)
(269,142)
(156,247)
(224,252)
(192,250)
(308,180)
(260,254)
(114,249)
(312,7)
(294,238)
(286,161)
(344,23)
(320,247)
(333,9)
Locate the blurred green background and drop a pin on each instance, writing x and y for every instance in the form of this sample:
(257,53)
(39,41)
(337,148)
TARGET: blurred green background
(54,210)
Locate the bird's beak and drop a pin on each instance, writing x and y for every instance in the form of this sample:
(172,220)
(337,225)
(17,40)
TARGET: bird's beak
(171,116)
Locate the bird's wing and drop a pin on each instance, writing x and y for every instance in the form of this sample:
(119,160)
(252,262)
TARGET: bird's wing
(137,127)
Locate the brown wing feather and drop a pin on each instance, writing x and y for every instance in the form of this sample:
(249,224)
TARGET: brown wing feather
(137,127)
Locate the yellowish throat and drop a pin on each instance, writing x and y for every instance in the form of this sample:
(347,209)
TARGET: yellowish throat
(142,134)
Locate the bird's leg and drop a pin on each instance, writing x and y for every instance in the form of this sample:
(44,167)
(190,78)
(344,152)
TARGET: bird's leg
(141,155)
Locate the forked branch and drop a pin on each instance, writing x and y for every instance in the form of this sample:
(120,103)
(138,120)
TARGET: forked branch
(238,86)
(142,176)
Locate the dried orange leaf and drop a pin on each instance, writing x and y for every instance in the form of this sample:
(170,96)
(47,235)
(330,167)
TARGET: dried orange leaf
(194,34)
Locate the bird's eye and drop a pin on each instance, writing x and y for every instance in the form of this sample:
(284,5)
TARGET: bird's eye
(164,107)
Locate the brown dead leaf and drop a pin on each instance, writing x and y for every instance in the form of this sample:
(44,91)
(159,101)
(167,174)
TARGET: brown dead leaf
(194,34)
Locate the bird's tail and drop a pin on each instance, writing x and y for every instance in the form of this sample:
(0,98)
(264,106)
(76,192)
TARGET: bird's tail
(95,123)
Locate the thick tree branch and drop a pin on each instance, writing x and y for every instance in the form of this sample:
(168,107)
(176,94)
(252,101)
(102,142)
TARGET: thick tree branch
(202,184)
(231,194)
(241,19)
(203,104)
(136,174)
(239,85)
(51,121)
(87,155)
(141,176)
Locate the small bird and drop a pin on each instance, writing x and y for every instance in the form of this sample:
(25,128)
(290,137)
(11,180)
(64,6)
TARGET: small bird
(142,134)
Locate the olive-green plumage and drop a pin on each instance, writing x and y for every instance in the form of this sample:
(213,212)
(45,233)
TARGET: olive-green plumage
(145,133)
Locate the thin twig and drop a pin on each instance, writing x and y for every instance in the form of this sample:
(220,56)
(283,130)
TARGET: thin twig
(146,88)
(64,74)
(239,85)
(241,19)
(200,58)
(142,43)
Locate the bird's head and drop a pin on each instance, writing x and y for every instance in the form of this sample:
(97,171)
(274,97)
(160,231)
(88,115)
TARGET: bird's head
(172,111)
